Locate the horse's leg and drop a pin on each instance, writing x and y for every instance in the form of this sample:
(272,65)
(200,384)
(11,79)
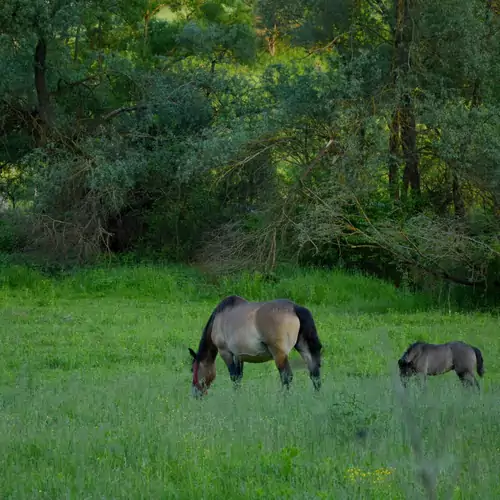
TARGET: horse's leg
(468,380)
(312,365)
(285,371)
(234,366)
(283,365)
(464,379)
(476,383)
(236,371)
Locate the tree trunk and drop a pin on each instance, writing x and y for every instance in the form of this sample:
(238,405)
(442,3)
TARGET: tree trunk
(271,41)
(394,156)
(149,14)
(411,174)
(394,138)
(403,126)
(99,45)
(458,201)
(145,34)
(42,91)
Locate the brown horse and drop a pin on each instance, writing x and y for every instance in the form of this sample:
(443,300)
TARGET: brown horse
(436,359)
(255,332)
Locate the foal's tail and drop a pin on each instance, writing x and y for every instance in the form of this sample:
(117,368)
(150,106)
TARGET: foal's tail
(480,362)
(308,328)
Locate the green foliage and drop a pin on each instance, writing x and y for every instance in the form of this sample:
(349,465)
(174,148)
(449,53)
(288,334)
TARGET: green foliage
(163,36)
(212,41)
(250,133)
(13,232)
(280,17)
(215,41)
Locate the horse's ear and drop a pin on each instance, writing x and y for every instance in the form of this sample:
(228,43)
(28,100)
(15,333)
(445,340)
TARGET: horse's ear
(193,354)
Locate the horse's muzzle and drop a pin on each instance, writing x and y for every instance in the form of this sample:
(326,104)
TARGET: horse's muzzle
(196,392)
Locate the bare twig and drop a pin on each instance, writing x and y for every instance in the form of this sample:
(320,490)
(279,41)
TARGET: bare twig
(123,109)
(317,158)
(329,45)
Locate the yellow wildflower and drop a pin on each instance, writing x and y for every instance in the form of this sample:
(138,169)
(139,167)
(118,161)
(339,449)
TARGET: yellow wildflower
(376,476)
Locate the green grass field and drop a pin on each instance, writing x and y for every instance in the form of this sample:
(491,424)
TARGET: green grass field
(95,394)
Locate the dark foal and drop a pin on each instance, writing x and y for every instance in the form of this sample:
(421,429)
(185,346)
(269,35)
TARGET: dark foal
(436,359)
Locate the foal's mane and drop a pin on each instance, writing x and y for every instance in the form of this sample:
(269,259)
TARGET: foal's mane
(416,344)
(411,347)
(206,344)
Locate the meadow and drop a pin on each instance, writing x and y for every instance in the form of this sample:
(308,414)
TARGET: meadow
(95,393)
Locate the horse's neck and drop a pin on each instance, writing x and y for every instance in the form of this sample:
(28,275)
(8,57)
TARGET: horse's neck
(209,352)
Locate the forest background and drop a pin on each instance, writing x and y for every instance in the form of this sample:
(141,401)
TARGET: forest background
(360,134)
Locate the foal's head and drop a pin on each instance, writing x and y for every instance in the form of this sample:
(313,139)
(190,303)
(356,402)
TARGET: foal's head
(406,362)
(203,374)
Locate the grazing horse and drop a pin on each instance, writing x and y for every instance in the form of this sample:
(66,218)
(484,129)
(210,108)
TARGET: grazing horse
(255,332)
(436,359)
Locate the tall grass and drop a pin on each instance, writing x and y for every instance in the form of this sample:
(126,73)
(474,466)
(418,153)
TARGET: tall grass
(95,377)
(354,292)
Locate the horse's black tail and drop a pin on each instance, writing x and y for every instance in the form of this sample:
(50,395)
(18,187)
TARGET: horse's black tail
(307,329)
(480,361)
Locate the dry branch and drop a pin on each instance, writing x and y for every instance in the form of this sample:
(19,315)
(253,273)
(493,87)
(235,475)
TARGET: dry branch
(316,159)
(123,109)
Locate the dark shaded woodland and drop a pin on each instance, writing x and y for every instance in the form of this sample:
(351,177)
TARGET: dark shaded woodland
(245,133)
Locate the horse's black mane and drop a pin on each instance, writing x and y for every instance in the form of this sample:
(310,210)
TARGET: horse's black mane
(206,345)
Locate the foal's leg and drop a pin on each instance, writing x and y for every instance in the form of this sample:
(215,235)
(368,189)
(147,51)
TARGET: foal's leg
(424,382)
(468,380)
(283,365)
(404,380)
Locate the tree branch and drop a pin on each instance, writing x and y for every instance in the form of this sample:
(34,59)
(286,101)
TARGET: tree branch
(68,85)
(318,157)
(123,109)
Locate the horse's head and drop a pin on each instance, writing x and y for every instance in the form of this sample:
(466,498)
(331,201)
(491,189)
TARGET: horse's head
(203,375)
(406,362)
(405,368)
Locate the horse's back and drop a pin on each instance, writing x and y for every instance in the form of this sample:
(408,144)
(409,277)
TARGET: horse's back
(278,324)
(235,330)
(464,356)
(249,328)
(432,359)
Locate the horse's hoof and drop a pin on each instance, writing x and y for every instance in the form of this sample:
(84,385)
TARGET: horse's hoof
(196,393)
